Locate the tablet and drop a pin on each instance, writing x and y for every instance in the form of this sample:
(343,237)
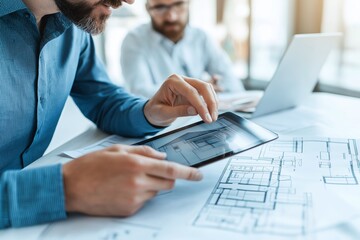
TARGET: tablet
(201,143)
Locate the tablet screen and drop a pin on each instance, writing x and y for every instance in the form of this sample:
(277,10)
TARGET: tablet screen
(201,143)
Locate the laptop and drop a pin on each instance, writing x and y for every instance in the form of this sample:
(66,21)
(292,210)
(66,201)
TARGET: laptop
(294,79)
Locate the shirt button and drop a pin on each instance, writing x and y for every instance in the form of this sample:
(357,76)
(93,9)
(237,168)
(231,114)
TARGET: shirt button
(27,15)
(42,100)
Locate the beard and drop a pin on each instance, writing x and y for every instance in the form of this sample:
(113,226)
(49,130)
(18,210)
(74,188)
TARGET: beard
(82,14)
(175,33)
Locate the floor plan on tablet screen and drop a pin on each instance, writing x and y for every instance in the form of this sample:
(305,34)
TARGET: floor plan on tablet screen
(203,142)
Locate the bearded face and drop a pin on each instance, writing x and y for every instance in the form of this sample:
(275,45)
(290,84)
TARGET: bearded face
(89,15)
(169,17)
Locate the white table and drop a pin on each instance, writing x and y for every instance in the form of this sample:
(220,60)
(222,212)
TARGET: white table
(322,114)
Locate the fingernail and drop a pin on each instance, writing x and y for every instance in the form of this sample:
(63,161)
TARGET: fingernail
(198,176)
(208,117)
(215,116)
(191,111)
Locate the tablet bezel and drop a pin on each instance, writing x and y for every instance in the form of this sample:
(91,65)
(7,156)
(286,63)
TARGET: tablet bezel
(235,119)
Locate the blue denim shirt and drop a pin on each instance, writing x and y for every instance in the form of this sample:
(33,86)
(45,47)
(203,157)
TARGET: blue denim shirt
(37,74)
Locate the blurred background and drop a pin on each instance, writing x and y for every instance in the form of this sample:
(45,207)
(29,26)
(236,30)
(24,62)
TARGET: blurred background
(255,34)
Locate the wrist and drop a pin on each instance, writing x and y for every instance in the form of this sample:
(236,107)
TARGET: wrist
(149,118)
(68,189)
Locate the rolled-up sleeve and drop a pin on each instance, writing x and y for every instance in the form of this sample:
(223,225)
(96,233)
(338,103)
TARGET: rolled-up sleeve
(31,196)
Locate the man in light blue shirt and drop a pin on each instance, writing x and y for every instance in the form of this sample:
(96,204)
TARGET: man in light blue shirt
(44,58)
(151,52)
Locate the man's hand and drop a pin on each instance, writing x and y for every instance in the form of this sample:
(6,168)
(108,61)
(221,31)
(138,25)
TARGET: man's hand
(181,96)
(118,180)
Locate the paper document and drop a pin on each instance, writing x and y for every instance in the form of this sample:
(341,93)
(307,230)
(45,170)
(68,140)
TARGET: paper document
(239,101)
(106,142)
(290,188)
(115,139)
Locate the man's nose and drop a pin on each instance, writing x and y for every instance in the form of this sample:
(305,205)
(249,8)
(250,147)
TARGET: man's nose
(129,1)
(171,15)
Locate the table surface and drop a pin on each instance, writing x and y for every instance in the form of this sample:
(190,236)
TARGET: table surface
(322,115)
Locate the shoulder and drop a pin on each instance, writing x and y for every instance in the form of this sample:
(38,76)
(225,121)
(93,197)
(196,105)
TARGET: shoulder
(195,34)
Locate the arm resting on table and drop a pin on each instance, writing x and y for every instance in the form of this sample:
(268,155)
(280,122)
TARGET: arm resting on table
(31,196)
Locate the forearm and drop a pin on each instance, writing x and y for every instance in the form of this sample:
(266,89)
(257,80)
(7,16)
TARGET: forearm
(112,109)
(127,119)
(30,197)
(109,106)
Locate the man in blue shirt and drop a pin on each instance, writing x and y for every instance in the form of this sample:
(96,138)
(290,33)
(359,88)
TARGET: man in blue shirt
(44,57)
(172,45)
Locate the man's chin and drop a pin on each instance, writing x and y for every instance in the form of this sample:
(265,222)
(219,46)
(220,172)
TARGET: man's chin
(93,27)
(173,34)
(96,31)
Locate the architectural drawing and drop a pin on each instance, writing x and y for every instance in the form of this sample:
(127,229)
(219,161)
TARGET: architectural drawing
(267,192)
(194,147)
(203,142)
(99,229)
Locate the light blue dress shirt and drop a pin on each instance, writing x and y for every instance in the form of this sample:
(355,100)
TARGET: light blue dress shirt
(148,58)
(37,74)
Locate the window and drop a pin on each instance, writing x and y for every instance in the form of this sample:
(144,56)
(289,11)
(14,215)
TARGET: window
(255,34)
(270,32)
(343,67)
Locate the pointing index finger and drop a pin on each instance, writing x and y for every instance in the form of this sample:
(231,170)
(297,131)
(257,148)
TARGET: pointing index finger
(208,94)
(171,170)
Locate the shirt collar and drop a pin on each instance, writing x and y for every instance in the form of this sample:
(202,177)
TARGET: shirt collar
(10,6)
(63,21)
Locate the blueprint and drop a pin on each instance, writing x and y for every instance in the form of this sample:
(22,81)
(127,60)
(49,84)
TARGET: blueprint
(285,188)
(291,188)
(98,228)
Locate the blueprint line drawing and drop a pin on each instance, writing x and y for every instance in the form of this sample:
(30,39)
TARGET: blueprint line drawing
(266,191)
(194,147)
(332,155)
(99,229)
(249,197)
(202,142)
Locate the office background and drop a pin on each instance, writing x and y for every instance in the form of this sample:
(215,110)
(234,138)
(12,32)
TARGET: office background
(255,34)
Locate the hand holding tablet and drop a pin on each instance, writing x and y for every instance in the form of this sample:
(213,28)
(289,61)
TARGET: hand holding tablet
(199,144)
